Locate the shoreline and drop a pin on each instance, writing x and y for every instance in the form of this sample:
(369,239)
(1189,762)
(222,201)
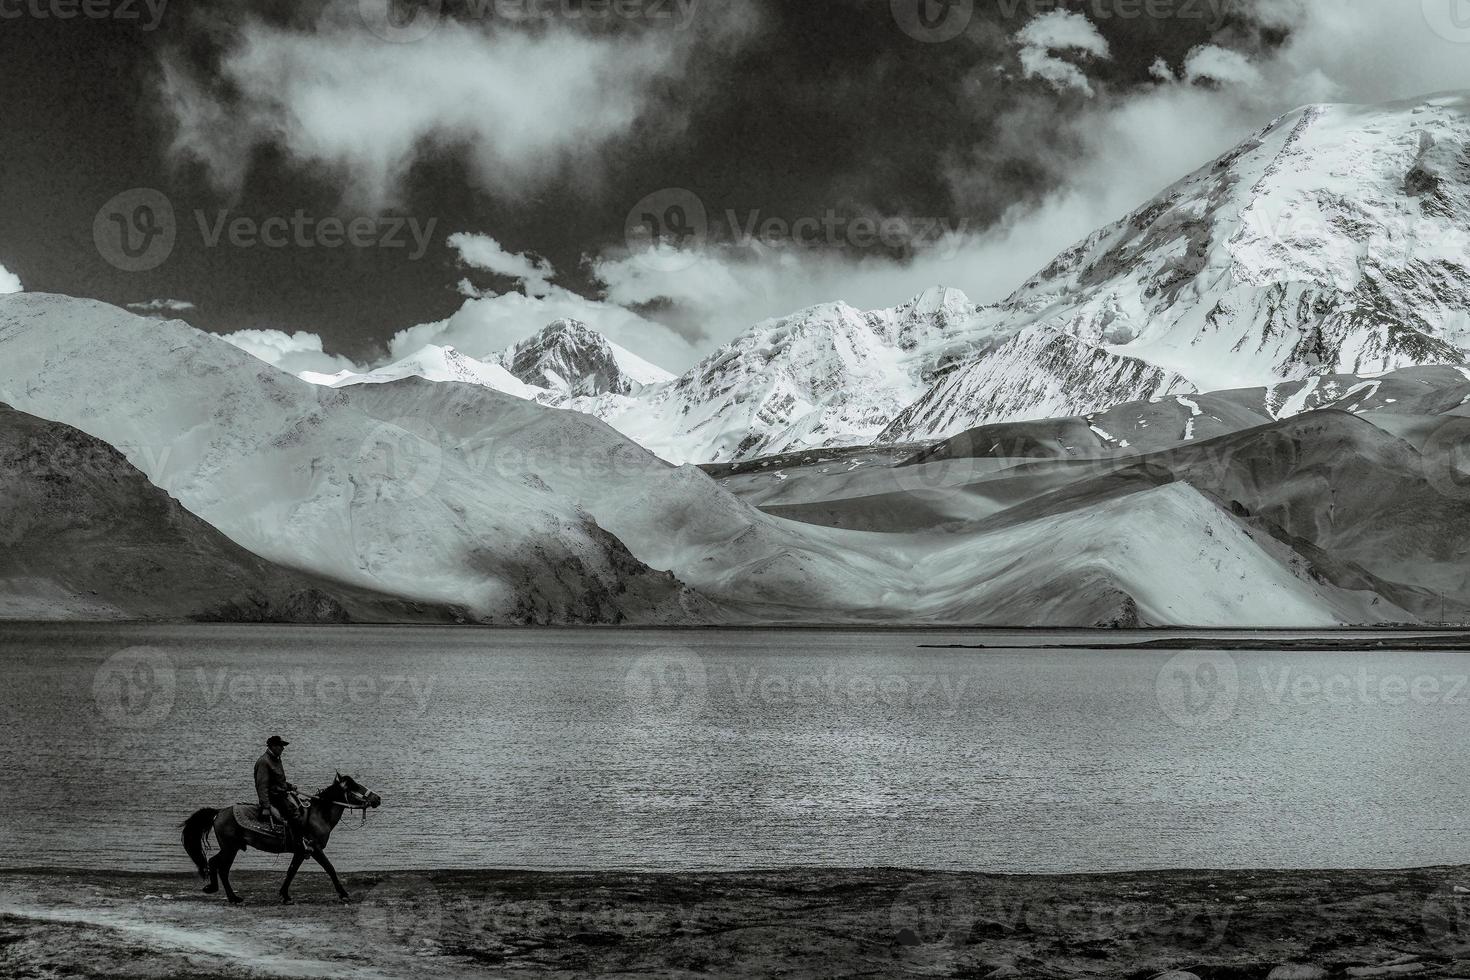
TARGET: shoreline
(1213,925)
(1100,631)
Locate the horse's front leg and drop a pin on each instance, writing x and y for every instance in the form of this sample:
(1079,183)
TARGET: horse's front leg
(296,860)
(321,858)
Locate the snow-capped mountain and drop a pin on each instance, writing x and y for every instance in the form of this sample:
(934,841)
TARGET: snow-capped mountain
(1334,241)
(1038,373)
(432,363)
(569,358)
(829,375)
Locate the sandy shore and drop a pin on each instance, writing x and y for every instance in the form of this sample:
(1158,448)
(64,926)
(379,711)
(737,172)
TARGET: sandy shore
(1210,925)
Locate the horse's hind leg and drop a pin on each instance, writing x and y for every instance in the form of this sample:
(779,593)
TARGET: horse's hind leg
(213,885)
(226,859)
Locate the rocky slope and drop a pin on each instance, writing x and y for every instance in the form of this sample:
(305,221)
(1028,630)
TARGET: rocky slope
(1037,374)
(84,535)
(455,493)
(291,472)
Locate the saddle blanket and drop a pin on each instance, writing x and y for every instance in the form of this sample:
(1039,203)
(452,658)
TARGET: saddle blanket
(259,832)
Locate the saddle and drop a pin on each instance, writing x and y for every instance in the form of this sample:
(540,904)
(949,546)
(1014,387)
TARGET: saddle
(259,831)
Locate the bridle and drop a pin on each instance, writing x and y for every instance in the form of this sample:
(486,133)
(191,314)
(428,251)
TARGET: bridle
(364,805)
(347,804)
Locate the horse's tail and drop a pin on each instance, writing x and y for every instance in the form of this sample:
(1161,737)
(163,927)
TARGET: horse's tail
(196,832)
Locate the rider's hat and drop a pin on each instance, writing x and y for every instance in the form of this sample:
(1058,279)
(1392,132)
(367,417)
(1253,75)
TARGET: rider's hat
(276,740)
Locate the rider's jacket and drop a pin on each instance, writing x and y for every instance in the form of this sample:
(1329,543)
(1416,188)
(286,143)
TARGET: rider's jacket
(270,780)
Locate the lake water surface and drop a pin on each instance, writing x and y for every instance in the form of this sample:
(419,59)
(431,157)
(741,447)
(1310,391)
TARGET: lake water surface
(604,749)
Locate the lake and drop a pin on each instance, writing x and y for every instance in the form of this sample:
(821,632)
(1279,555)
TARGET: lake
(668,750)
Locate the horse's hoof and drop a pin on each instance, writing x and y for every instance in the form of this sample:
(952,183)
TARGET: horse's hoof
(237,901)
(210,889)
(344,899)
(287,900)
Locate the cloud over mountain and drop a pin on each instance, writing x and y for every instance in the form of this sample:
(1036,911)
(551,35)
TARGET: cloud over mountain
(519,103)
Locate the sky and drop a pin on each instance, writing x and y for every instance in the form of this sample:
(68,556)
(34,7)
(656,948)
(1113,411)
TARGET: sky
(334,183)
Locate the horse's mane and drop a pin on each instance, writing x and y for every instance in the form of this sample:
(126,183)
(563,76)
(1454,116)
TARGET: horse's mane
(333,793)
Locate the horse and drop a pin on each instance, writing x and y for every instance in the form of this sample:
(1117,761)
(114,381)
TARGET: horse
(326,810)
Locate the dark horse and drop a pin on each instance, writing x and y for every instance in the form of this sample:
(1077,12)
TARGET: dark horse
(326,810)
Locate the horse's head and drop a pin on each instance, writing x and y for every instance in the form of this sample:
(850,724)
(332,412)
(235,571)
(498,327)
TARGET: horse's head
(355,793)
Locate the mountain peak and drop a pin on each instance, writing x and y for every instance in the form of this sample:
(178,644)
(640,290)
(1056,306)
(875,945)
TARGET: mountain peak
(568,357)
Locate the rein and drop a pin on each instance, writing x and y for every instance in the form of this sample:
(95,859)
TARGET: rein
(364,807)
(346,806)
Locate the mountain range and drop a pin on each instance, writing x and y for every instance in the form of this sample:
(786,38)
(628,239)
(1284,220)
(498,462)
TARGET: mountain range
(1334,241)
(1243,404)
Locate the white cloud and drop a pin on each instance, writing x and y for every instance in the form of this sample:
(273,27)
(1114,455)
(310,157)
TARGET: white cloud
(483,252)
(1045,37)
(9,281)
(294,352)
(158,306)
(1220,65)
(522,106)
(488,325)
(1129,148)
(1160,70)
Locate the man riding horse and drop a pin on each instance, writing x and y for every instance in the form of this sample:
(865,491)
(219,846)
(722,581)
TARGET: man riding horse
(277,796)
